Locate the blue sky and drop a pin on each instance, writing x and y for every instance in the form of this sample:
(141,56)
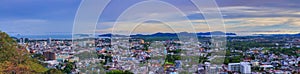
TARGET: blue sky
(240,16)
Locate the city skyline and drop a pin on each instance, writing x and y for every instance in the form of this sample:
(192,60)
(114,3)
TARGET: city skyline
(241,17)
(150,37)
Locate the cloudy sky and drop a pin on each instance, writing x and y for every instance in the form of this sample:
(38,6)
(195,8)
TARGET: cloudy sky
(243,17)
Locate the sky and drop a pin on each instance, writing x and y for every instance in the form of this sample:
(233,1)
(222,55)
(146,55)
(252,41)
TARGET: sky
(243,17)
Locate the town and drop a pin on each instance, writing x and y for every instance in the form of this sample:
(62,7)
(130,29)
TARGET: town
(243,55)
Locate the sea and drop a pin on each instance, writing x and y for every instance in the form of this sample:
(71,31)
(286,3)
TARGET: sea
(43,36)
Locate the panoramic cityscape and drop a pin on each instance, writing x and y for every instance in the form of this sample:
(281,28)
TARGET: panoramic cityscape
(149,37)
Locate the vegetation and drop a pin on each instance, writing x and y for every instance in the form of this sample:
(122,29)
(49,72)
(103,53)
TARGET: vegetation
(203,59)
(69,66)
(87,55)
(175,51)
(151,39)
(234,59)
(54,71)
(287,51)
(171,58)
(119,72)
(246,45)
(15,59)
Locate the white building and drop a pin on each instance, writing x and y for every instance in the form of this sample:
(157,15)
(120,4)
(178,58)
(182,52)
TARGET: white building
(234,67)
(245,68)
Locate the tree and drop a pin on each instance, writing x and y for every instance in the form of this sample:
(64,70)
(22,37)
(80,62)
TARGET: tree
(127,72)
(119,72)
(15,59)
(203,59)
(69,66)
(115,72)
(54,71)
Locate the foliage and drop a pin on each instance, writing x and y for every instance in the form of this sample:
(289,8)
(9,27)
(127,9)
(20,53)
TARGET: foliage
(69,66)
(286,51)
(171,58)
(119,72)
(146,47)
(54,71)
(86,55)
(174,51)
(245,45)
(115,72)
(203,59)
(39,57)
(15,59)
(234,59)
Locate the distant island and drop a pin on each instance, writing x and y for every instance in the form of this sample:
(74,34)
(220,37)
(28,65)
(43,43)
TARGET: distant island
(159,34)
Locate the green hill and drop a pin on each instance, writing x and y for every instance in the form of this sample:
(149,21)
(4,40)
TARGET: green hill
(14,59)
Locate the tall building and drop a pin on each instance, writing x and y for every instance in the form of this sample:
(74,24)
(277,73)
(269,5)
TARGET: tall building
(245,68)
(49,41)
(242,67)
(21,40)
(234,67)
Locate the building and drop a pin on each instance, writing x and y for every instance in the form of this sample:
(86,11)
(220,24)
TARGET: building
(242,67)
(266,67)
(49,40)
(49,55)
(177,63)
(235,67)
(245,68)
(142,41)
(22,40)
(214,70)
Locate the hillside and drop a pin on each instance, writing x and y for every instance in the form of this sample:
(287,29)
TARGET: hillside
(14,59)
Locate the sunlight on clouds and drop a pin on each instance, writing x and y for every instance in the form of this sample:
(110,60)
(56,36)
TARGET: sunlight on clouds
(178,26)
(232,25)
(264,25)
(240,19)
(264,21)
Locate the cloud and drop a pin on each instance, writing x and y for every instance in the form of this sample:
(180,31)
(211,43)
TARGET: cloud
(229,12)
(288,4)
(264,21)
(239,25)
(154,26)
(263,25)
(242,16)
(29,21)
(21,22)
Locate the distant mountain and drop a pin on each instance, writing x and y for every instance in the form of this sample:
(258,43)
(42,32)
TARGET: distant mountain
(156,35)
(110,35)
(214,33)
(105,35)
(277,34)
(159,34)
